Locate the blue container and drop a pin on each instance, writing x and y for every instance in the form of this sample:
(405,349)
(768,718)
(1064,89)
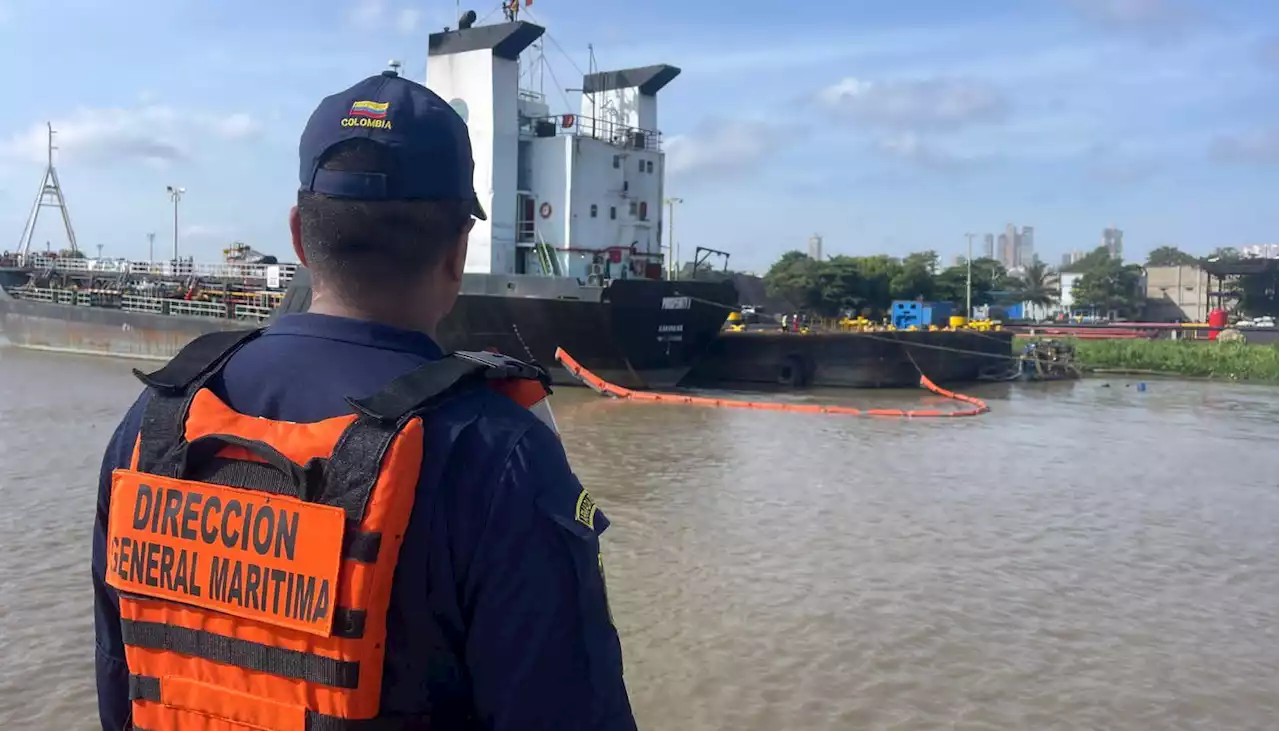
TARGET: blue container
(906,313)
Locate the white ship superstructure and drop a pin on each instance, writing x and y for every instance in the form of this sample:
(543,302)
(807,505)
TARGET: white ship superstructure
(576,194)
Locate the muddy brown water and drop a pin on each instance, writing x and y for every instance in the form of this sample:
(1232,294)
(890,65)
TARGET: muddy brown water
(1087,556)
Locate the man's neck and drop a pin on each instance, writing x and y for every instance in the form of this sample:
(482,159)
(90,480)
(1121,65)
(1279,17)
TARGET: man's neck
(403,317)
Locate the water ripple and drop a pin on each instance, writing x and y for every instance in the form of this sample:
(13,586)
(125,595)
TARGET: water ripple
(1088,556)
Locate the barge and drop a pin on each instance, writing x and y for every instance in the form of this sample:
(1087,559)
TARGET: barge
(882,359)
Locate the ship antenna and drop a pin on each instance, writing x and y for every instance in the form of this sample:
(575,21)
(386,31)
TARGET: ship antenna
(50,195)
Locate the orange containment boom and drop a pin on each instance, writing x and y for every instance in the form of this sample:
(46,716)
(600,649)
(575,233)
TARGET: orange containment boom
(601,386)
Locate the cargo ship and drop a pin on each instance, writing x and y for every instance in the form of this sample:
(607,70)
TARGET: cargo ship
(570,257)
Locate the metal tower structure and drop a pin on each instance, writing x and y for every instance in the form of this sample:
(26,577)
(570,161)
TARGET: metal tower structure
(50,195)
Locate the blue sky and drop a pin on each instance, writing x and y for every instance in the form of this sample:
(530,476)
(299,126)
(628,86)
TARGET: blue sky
(886,127)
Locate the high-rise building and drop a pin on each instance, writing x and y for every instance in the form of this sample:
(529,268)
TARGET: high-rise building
(1113,241)
(815,247)
(1026,246)
(988,246)
(1009,246)
(1072,257)
(1013,248)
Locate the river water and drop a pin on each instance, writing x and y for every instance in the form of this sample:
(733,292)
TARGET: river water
(1089,555)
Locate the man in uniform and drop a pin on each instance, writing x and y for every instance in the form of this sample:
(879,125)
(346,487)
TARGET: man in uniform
(498,615)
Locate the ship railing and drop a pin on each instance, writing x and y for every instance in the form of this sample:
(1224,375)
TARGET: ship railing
(606,130)
(197,308)
(145,305)
(276,275)
(57,296)
(253,313)
(33,294)
(134,303)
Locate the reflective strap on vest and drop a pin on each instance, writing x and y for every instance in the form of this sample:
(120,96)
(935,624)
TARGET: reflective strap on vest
(242,653)
(149,689)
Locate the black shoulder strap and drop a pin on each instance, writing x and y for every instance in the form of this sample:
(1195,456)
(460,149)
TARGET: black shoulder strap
(173,387)
(420,386)
(357,458)
(197,360)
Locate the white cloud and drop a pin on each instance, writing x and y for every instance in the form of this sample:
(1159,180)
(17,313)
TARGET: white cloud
(154,134)
(235,126)
(1105,162)
(367,14)
(721,147)
(909,146)
(408,20)
(1156,19)
(918,104)
(1260,147)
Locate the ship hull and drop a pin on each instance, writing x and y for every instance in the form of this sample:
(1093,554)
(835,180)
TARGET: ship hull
(851,360)
(638,333)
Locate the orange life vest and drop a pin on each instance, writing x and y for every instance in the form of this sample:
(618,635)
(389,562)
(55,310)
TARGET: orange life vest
(254,558)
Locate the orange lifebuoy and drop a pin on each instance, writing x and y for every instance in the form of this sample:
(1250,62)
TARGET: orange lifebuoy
(545,210)
(567,121)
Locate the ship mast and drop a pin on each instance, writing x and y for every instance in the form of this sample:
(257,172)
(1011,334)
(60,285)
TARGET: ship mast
(50,195)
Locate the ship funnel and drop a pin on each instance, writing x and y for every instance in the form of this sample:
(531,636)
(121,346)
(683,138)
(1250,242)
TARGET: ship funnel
(467,20)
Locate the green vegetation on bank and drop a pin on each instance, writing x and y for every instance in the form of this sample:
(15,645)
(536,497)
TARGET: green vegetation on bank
(1200,359)
(867,285)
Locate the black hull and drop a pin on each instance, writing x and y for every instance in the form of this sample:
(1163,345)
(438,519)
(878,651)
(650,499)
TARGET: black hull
(621,331)
(851,360)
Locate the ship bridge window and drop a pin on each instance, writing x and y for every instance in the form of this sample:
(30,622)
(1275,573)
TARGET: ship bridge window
(613,213)
(617,161)
(649,166)
(644,210)
(642,166)
(632,209)
(594,210)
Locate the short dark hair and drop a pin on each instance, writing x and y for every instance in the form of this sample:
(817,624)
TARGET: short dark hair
(363,249)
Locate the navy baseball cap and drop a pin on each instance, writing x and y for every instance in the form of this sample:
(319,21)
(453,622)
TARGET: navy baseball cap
(430,147)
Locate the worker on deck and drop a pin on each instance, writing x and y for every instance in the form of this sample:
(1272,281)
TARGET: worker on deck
(331,523)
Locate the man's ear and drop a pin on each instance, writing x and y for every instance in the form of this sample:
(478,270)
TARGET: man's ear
(295,231)
(455,261)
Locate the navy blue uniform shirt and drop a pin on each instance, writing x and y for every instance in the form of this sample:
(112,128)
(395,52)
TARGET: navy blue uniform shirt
(498,607)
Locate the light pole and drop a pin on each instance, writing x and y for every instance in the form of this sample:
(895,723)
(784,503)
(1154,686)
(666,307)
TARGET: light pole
(968,279)
(151,248)
(175,193)
(673,267)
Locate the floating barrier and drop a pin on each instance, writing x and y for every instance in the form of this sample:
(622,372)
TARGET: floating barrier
(603,387)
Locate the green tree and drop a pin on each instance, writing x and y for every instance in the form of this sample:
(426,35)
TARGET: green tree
(840,286)
(989,278)
(793,278)
(877,281)
(1225,253)
(1109,285)
(1093,259)
(1170,256)
(915,277)
(1038,284)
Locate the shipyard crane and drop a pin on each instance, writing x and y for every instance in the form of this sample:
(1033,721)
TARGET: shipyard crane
(702,253)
